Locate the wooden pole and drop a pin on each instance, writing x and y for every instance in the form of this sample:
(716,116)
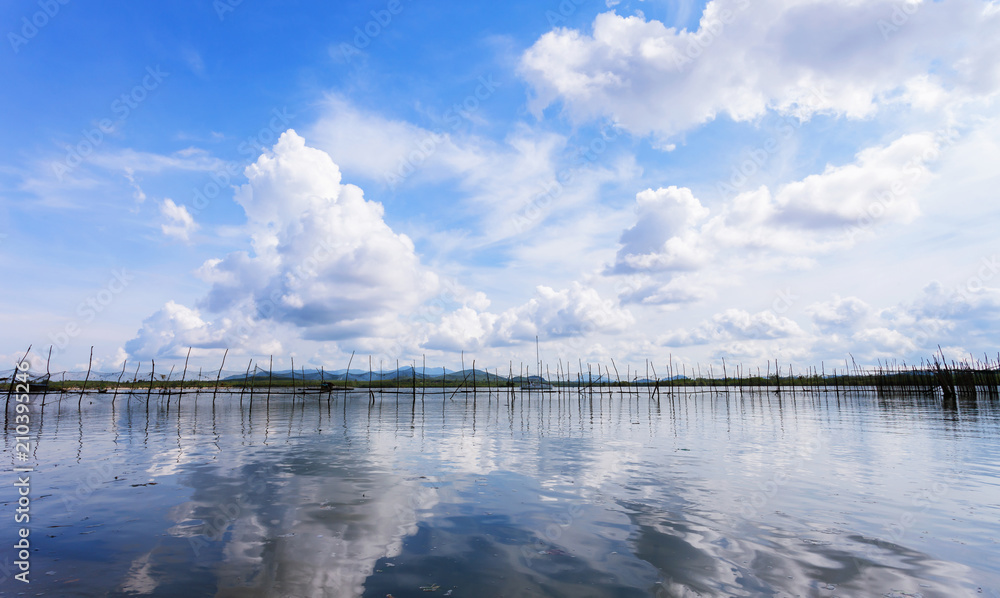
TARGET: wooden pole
(245,376)
(152,373)
(347,377)
(170,376)
(270,368)
(183,377)
(115,396)
(371,393)
(90,364)
(48,375)
(218,377)
(253,381)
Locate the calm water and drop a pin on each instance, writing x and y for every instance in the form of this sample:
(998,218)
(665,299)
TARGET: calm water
(559,495)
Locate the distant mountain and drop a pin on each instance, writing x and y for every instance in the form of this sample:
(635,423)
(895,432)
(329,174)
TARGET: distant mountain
(403,373)
(431,374)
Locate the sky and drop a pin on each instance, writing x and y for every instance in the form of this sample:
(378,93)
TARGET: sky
(805,181)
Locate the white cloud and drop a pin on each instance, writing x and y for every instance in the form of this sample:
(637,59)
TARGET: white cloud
(322,264)
(960,319)
(179,222)
(798,58)
(964,318)
(735,324)
(679,291)
(529,205)
(760,229)
(839,314)
(879,186)
(137,193)
(379,148)
(574,312)
(174,328)
(664,236)
(131,161)
(520,187)
(171,328)
(883,342)
(323,257)
(462,330)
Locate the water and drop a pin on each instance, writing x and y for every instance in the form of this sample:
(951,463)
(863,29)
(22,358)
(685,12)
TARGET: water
(559,495)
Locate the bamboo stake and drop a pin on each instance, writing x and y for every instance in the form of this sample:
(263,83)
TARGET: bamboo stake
(170,376)
(218,376)
(48,375)
(152,373)
(118,383)
(245,376)
(270,369)
(90,364)
(253,382)
(347,376)
(183,378)
(371,394)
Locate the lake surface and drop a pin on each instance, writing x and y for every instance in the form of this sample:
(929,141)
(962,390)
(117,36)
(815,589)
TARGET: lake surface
(802,494)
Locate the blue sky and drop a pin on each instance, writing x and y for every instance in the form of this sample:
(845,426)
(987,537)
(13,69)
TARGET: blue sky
(742,180)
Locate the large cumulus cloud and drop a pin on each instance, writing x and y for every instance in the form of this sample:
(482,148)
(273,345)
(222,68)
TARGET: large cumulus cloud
(322,260)
(323,265)
(323,257)
(802,58)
